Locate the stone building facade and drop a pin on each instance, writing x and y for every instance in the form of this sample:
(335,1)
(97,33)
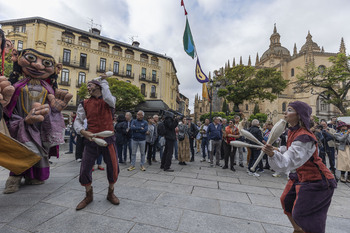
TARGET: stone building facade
(280,57)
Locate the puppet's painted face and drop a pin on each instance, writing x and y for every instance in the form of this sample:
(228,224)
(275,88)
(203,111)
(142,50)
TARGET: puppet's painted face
(35,65)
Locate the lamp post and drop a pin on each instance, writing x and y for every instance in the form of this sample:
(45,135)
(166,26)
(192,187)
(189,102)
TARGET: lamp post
(211,84)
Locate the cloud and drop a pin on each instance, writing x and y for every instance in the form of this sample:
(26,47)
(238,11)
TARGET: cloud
(222,29)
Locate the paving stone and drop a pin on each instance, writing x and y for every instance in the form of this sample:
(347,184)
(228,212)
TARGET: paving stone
(263,200)
(143,228)
(7,213)
(218,178)
(141,212)
(72,198)
(259,183)
(168,187)
(19,198)
(194,222)
(220,194)
(195,182)
(254,213)
(80,221)
(8,229)
(189,202)
(244,188)
(269,228)
(179,174)
(36,215)
(130,181)
(137,193)
(276,192)
(155,177)
(335,224)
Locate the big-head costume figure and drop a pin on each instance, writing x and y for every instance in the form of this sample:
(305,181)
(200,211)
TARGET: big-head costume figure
(34,113)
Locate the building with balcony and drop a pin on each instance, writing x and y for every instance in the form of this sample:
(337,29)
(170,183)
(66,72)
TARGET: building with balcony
(87,54)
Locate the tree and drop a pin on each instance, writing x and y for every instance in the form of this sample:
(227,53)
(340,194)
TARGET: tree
(256,109)
(247,83)
(8,65)
(127,95)
(224,107)
(332,83)
(262,117)
(216,114)
(83,91)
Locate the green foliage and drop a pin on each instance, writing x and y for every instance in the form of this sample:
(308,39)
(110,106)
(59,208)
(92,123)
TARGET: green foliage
(8,65)
(316,119)
(262,117)
(83,92)
(127,95)
(332,83)
(224,106)
(256,109)
(247,83)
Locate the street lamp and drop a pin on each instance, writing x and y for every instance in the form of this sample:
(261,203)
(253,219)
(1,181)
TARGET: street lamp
(211,85)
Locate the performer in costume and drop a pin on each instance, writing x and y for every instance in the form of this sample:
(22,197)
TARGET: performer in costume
(6,90)
(98,112)
(309,191)
(34,113)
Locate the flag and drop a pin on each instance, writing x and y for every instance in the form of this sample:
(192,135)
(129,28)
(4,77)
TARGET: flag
(188,40)
(205,94)
(201,77)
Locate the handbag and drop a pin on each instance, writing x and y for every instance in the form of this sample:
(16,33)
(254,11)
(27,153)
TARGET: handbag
(181,137)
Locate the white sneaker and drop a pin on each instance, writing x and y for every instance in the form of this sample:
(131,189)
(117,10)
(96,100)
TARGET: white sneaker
(203,160)
(250,173)
(256,174)
(276,174)
(78,160)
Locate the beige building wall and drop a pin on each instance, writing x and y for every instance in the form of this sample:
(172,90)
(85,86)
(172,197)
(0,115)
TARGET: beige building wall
(279,57)
(52,38)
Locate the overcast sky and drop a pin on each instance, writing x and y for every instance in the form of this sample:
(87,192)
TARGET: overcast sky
(221,29)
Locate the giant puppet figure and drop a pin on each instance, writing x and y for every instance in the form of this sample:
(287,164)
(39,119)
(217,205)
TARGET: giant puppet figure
(34,113)
(6,90)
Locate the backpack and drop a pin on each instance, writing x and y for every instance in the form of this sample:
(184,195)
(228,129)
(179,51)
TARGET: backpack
(161,129)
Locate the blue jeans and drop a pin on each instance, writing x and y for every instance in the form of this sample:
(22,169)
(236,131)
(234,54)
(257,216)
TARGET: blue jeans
(99,160)
(176,147)
(134,145)
(205,142)
(125,148)
(71,142)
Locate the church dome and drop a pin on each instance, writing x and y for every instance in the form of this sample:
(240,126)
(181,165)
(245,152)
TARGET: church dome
(277,51)
(310,45)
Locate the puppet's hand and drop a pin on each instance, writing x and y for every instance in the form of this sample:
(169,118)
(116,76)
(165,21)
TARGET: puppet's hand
(6,91)
(37,113)
(60,100)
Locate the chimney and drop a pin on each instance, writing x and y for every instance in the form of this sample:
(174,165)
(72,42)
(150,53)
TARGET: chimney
(135,44)
(95,31)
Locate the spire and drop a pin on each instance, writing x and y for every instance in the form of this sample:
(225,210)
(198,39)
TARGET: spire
(257,59)
(275,38)
(240,61)
(322,50)
(249,61)
(342,46)
(228,63)
(234,62)
(209,75)
(295,49)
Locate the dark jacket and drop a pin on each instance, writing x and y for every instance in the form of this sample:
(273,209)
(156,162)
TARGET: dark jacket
(214,133)
(170,125)
(120,130)
(139,129)
(193,131)
(256,133)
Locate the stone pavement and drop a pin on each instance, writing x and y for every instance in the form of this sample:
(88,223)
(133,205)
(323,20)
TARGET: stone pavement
(195,198)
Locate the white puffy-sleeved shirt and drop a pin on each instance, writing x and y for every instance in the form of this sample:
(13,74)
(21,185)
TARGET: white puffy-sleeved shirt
(288,160)
(81,115)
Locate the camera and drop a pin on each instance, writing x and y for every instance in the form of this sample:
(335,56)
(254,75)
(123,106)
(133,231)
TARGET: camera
(170,113)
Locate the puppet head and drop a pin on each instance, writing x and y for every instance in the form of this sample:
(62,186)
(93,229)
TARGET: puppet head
(36,65)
